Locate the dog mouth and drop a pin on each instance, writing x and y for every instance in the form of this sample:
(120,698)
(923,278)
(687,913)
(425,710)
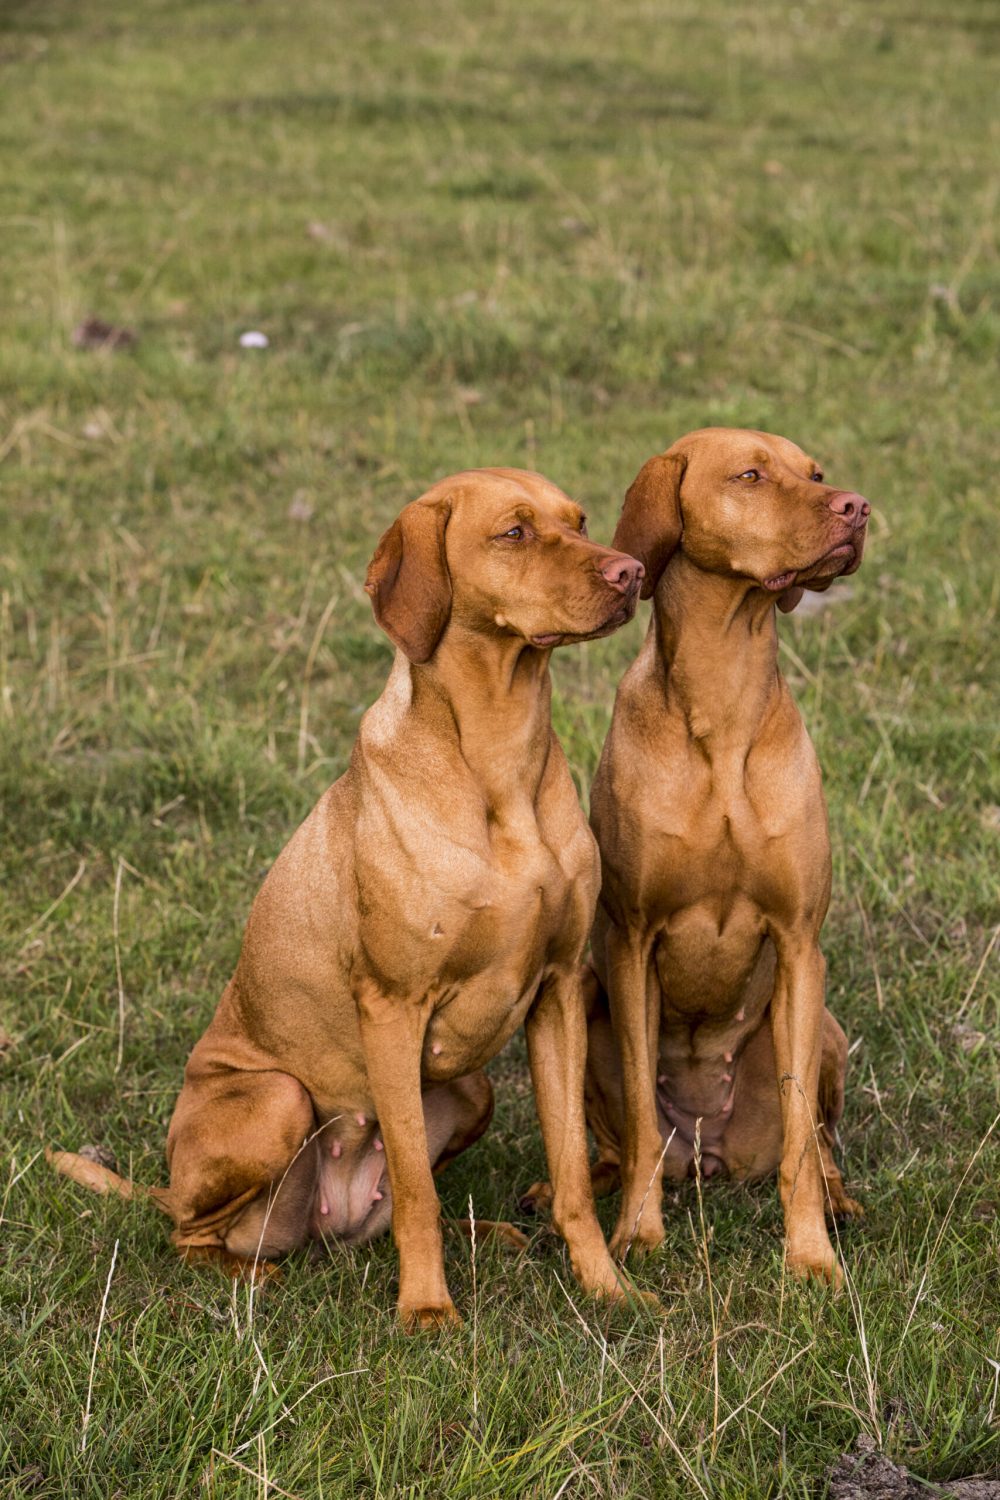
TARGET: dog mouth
(834,563)
(617,618)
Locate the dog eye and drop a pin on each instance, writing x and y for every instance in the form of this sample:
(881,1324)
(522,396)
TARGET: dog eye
(750,475)
(583,525)
(515,534)
(816,478)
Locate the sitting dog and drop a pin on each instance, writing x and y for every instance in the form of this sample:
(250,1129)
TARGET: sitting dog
(439,894)
(707,1018)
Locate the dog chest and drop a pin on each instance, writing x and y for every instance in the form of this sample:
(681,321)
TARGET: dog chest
(707,954)
(476,1020)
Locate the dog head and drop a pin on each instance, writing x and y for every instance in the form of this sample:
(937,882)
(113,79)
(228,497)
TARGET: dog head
(499,552)
(745,504)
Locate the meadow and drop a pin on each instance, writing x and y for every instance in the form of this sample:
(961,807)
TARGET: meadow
(554,236)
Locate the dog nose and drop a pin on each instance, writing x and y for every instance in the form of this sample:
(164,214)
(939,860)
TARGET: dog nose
(623,573)
(852,507)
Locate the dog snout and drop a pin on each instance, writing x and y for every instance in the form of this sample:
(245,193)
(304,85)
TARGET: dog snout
(623,573)
(851,507)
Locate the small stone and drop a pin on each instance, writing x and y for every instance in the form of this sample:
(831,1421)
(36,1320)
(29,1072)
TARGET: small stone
(101,1155)
(301,507)
(254,339)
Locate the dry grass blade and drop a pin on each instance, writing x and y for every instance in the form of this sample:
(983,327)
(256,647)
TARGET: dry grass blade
(93,1358)
(620,1372)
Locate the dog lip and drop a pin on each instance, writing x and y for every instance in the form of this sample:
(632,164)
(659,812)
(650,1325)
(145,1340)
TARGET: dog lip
(844,551)
(619,616)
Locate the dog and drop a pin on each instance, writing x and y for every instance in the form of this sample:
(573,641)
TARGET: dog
(709,1041)
(438,896)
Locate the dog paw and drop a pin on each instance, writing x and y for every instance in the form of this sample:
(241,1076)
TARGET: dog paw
(820,1265)
(429,1319)
(618,1291)
(635,1240)
(508,1236)
(537,1199)
(841,1209)
(245,1268)
(630,1295)
(495,1231)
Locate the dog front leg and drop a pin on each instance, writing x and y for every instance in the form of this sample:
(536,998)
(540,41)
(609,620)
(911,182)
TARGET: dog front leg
(556,1030)
(796,1027)
(392,1034)
(635,1016)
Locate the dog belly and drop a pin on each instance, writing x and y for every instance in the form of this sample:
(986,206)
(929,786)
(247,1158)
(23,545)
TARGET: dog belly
(716,982)
(351,1200)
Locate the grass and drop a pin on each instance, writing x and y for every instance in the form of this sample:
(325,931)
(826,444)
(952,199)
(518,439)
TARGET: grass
(556,236)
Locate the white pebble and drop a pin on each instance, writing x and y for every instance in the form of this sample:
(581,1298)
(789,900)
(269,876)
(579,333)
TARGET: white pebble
(254,339)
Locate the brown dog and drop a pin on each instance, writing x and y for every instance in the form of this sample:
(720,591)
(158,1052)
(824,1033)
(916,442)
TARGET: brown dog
(438,895)
(710,817)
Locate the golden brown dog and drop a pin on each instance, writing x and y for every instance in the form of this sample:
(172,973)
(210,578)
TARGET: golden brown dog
(438,895)
(709,813)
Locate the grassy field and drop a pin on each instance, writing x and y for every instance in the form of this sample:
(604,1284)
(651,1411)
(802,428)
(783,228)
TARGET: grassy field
(556,236)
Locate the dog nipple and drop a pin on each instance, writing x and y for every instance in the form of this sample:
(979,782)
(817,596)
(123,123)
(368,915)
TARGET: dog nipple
(376,1197)
(379,1146)
(324,1208)
(727,1077)
(436,1049)
(360,1118)
(336,1149)
(661,1078)
(741,1015)
(727,1057)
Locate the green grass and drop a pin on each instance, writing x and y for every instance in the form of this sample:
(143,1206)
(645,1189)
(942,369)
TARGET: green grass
(555,235)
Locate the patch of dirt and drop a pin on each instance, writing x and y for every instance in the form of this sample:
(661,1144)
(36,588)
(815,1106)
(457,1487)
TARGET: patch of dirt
(94,333)
(867,1474)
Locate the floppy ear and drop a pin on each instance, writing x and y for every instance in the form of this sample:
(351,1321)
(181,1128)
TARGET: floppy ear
(650,526)
(408,579)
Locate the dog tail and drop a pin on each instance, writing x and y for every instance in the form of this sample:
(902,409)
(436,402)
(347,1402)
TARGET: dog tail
(100,1179)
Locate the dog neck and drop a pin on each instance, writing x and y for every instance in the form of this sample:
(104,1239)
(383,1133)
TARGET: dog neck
(716,638)
(491,697)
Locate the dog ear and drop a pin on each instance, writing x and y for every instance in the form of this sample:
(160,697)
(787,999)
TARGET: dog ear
(408,579)
(650,525)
